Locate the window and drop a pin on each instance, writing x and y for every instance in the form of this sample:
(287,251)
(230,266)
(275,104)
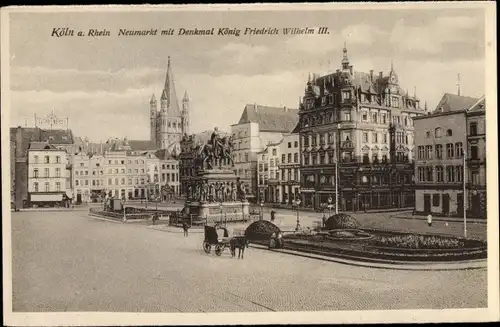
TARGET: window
(421,152)
(306,159)
(274,152)
(289,158)
(439,151)
(427,134)
(475,178)
(322,158)
(384,119)
(395,102)
(58,159)
(110,181)
(474,153)
(58,172)
(435,200)
(449,132)
(295,144)
(473,128)
(47,186)
(46,172)
(460,173)
(346,95)
(439,174)
(374,117)
(296,157)
(109,162)
(364,116)
(375,157)
(305,141)
(93,182)
(347,116)
(76,182)
(365,137)
(46,159)
(289,144)
(35,173)
(459,152)
(86,172)
(450,174)
(35,159)
(449,150)
(385,138)
(283,158)
(428,152)
(330,98)
(429,174)
(437,132)
(123,181)
(374,138)
(123,171)
(421,174)
(406,121)
(116,181)
(35,187)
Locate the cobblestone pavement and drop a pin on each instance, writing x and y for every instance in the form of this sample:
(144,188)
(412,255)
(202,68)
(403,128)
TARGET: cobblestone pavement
(67,261)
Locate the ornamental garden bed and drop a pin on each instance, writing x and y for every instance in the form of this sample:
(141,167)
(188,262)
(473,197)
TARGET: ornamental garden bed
(345,237)
(131,213)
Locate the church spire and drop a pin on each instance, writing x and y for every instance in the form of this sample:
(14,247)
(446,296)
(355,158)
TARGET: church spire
(169,100)
(186,97)
(153,99)
(345,59)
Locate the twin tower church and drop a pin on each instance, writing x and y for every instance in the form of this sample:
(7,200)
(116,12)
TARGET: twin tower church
(171,121)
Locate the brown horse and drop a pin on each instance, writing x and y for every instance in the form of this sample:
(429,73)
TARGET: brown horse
(239,242)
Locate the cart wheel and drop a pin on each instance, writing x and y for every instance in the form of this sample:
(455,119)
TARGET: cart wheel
(206,247)
(219,249)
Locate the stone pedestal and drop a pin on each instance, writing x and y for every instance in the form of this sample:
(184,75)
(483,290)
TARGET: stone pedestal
(213,210)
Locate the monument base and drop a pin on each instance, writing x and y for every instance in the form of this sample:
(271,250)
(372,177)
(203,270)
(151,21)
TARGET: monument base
(218,212)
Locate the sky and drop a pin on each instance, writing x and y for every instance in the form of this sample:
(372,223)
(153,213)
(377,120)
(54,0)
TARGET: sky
(104,84)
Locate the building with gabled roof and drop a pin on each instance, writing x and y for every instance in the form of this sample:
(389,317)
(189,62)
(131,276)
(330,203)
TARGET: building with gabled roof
(452,102)
(258,127)
(364,122)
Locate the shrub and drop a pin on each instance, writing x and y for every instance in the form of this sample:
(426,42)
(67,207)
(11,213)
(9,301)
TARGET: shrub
(261,230)
(342,221)
(414,241)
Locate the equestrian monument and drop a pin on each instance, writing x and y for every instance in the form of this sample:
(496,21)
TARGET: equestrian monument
(213,191)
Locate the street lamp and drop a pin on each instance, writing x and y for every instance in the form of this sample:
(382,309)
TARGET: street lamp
(220,207)
(297,203)
(330,200)
(262,210)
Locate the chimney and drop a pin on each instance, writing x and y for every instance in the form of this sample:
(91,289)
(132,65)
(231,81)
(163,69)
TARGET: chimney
(371,75)
(380,74)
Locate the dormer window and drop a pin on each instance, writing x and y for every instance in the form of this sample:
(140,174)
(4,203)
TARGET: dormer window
(449,132)
(437,132)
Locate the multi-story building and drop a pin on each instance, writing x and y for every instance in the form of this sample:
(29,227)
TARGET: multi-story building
(20,138)
(258,126)
(268,173)
(476,156)
(365,123)
(441,139)
(46,173)
(129,169)
(171,122)
(289,165)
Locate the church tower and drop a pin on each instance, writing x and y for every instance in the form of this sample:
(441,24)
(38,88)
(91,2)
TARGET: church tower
(152,118)
(185,113)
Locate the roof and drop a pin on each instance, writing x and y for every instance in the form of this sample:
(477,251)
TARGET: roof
(164,154)
(169,94)
(56,136)
(270,119)
(479,106)
(453,102)
(41,146)
(138,145)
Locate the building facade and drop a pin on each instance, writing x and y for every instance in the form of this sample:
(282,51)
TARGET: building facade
(476,159)
(289,167)
(171,121)
(454,129)
(363,122)
(268,174)
(258,127)
(46,173)
(20,140)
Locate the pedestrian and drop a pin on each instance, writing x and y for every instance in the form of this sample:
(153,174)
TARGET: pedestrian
(185,227)
(429,220)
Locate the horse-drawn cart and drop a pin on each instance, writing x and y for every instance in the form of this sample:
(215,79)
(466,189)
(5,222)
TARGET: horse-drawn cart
(212,238)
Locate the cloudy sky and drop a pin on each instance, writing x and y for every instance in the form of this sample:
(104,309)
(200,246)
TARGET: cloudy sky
(104,84)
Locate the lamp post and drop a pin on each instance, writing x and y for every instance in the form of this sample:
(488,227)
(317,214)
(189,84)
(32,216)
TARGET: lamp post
(262,209)
(329,208)
(220,207)
(464,179)
(297,203)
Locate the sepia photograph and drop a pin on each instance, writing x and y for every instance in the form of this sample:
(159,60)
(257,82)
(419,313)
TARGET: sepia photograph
(249,164)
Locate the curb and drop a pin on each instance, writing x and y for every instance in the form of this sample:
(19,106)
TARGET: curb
(451,220)
(394,265)
(174,230)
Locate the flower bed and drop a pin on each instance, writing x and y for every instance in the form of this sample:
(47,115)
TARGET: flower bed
(387,245)
(341,221)
(261,230)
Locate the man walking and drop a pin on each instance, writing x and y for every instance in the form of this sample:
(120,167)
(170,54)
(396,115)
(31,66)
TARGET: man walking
(185,227)
(429,220)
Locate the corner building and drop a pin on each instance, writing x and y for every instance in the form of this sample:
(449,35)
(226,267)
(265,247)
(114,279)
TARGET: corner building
(363,122)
